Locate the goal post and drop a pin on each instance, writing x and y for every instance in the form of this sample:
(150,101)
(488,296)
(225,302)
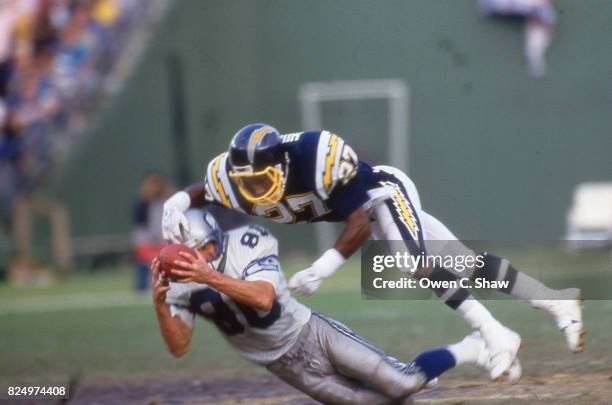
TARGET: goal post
(313,94)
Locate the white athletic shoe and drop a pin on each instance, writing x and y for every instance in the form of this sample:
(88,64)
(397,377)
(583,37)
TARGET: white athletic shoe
(481,354)
(503,345)
(568,316)
(512,375)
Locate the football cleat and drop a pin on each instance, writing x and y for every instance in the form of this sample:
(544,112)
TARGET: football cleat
(483,361)
(568,316)
(484,356)
(503,345)
(514,373)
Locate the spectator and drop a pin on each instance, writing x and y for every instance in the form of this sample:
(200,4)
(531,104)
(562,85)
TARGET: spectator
(12,165)
(146,216)
(540,20)
(52,55)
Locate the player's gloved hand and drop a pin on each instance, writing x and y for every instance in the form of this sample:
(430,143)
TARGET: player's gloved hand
(307,281)
(174,218)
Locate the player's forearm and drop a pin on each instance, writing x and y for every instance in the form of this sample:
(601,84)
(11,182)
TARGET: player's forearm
(256,294)
(196,194)
(175,333)
(356,231)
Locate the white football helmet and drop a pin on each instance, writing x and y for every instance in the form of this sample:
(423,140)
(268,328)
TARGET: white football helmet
(203,228)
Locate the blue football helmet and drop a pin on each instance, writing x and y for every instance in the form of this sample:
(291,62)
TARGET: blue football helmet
(258,164)
(203,228)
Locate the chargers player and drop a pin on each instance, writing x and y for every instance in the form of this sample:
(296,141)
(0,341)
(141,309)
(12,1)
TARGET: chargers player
(316,176)
(236,282)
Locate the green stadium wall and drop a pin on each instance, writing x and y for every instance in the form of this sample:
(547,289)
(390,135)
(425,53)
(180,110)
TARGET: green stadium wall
(494,153)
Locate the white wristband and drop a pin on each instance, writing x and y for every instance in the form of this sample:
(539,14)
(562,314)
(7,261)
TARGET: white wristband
(328,263)
(181,201)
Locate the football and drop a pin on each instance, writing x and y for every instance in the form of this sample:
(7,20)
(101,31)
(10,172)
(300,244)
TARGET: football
(168,255)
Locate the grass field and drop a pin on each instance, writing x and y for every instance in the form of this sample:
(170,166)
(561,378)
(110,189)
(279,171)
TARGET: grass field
(94,328)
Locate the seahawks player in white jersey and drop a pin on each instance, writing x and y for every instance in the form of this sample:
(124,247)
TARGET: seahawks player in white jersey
(236,282)
(316,176)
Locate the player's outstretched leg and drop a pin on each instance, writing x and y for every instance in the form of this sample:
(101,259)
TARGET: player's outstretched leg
(567,313)
(473,350)
(502,343)
(309,367)
(334,365)
(398,219)
(361,360)
(563,305)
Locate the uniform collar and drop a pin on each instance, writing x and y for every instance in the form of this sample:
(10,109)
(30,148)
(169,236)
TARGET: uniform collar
(219,263)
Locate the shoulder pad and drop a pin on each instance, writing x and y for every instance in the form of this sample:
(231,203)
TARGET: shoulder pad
(336,163)
(218,186)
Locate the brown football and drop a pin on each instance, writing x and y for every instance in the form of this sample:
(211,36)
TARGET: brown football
(168,255)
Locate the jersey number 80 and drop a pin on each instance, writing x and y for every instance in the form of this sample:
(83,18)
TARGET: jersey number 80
(210,304)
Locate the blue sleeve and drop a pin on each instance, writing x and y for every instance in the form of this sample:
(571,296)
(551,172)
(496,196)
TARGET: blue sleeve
(346,199)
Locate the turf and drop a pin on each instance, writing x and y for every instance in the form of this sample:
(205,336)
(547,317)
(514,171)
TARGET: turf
(93,326)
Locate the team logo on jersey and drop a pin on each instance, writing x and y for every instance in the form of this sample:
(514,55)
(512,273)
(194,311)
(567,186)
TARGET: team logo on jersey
(404,208)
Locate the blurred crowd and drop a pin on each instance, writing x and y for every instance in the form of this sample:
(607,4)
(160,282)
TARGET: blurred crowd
(53,56)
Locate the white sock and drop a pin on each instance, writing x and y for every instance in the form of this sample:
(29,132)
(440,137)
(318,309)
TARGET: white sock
(475,313)
(467,351)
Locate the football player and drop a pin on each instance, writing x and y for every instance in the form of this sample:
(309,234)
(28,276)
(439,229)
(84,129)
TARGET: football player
(236,282)
(316,176)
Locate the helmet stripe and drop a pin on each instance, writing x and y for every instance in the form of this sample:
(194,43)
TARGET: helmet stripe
(255,137)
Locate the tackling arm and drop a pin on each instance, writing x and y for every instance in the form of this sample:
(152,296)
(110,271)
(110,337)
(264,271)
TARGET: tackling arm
(344,189)
(174,210)
(197,195)
(356,231)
